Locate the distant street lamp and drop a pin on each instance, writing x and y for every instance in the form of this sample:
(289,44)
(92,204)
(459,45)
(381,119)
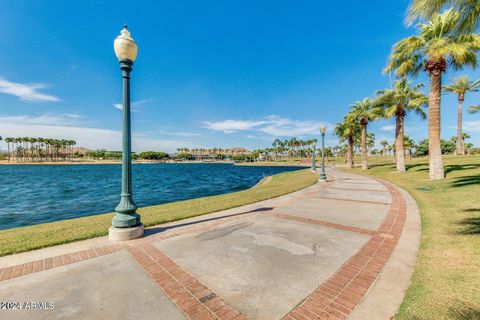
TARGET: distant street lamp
(314,166)
(323,177)
(126,224)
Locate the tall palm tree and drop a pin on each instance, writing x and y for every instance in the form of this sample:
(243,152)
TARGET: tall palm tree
(409,144)
(461,86)
(347,130)
(363,111)
(396,102)
(469,11)
(292,144)
(436,47)
(384,144)
(370,141)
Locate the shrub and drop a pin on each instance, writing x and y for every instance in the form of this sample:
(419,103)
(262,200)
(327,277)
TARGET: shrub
(153,155)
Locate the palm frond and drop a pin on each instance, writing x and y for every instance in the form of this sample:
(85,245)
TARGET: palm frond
(474,109)
(468,17)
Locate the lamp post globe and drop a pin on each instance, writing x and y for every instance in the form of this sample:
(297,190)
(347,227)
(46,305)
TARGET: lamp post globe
(125,47)
(323,129)
(126,223)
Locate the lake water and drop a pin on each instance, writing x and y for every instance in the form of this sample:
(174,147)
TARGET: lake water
(33,194)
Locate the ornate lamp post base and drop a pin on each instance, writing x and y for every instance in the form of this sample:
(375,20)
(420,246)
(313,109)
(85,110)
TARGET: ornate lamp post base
(126,220)
(122,234)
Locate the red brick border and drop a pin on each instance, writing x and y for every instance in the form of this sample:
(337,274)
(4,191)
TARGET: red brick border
(192,297)
(56,261)
(353,200)
(353,189)
(337,297)
(323,223)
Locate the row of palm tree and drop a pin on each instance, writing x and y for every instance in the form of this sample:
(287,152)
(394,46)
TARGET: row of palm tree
(24,149)
(444,40)
(293,147)
(280,149)
(461,86)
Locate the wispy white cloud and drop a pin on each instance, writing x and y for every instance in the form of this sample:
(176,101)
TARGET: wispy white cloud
(43,119)
(133,106)
(472,126)
(257,137)
(390,127)
(273,126)
(25,91)
(179,133)
(231,126)
(69,127)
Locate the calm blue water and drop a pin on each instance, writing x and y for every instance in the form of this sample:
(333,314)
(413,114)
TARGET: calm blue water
(43,193)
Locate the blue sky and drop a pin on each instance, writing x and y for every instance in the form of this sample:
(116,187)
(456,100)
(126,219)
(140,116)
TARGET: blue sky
(208,73)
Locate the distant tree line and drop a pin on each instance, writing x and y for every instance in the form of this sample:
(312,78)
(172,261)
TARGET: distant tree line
(25,149)
(235,154)
(287,149)
(117,155)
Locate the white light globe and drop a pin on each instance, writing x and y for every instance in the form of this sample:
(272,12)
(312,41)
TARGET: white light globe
(124,46)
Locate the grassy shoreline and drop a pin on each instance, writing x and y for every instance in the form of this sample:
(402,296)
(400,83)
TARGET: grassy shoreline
(49,234)
(445,281)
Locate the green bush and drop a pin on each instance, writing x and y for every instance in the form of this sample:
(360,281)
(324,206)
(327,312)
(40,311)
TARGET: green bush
(185,156)
(448,147)
(153,155)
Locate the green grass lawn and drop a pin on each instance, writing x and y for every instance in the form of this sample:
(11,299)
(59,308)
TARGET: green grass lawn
(49,234)
(446,281)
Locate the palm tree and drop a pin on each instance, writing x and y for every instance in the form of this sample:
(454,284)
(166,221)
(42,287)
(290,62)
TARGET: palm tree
(409,144)
(370,141)
(347,130)
(292,144)
(469,11)
(363,111)
(396,102)
(384,144)
(8,141)
(276,144)
(436,47)
(461,86)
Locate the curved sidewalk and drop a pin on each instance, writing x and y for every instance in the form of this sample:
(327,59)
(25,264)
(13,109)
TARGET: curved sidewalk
(344,249)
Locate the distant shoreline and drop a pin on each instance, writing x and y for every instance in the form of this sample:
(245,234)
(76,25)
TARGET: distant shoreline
(80,162)
(93,162)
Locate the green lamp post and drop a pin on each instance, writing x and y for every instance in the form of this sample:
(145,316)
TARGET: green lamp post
(314,165)
(323,129)
(126,224)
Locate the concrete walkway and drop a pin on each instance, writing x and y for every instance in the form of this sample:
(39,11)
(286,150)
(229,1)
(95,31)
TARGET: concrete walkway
(344,249)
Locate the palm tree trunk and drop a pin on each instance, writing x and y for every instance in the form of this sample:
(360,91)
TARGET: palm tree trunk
(350,163)
(399,143)
(364,147)
(460,145)
(434,147)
